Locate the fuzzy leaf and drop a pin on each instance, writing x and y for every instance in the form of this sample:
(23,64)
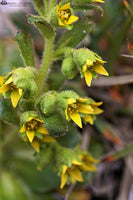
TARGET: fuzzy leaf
(73,37)
(24,42)
(42,25)
(87,7)
(39,4)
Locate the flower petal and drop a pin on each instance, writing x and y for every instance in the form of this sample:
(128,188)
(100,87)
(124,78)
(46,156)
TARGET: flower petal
(65,7)
(15,97)
(97,111)
(89,167)
(30,134)
(35,145)
(99,1)
(100,70)
(9,80)
(4,88)
(20,92)
(76,162)
(89,62)
(87,109)
(48,138)
(83,99)
(76,175)
(64,168)
(88,77)
(76,118)
(97,103)
(63,180)
(23,129)
(67,118)
(89,119)
(72,19)
(71,100)
(42,129)
(60,22)
(1,80)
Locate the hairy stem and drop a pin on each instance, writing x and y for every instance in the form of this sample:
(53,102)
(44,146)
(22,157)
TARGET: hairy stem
(45,65)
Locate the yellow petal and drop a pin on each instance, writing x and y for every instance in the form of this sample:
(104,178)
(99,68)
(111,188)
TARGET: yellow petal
(99,1)
(89,119)
(60,22)
(89,167)
(97,110)
(100,61)
(76,118)
(30,134)
(15,97)
(1,80)
(76,162)
(67,118)
(20,92)
(84,68)
(83,99)
(65,7)
(42,129)
(23,129)
(48,138)
(4,89)
(9,80)
(64,168)
(71,100)
(72,19)
(87,109)
(89,62)
(63,180)
(35,145)
(97,103)
(100,70)
(88,77)
(37,119)
(76,175)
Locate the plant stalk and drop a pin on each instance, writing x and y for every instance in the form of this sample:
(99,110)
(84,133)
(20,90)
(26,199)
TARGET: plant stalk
(45,65)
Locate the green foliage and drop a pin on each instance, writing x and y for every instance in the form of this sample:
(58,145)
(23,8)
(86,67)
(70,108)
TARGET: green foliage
(42,25)
(7,113)
(11,187)
(73,37)
(24,42)
(39,4)
(69,68)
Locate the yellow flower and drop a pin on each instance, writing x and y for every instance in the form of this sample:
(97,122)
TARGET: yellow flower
(75,108)
(93,67)
(8,86)
(65,16)
(89,162)
(73,172)
(34,132)
(96,111)
(99,1)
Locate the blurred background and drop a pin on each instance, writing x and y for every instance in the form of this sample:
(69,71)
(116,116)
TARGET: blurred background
(112,39)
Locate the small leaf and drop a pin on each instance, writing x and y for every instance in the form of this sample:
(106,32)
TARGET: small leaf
(24,42)
(87,7)
(39,4)
(42,25)
(73,37)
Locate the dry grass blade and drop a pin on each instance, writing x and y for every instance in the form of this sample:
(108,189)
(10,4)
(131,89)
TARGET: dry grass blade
(116,80)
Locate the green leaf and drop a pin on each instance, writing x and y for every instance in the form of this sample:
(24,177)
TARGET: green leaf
(11,187)
(42,25)
(24,42)
(118,154)
(7,112)
(87,7)
(39,4)
(73,37)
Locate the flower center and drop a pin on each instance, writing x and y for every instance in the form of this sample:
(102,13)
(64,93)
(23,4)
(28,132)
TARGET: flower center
(73,108)
(12,86)
(64,14)
(33,124)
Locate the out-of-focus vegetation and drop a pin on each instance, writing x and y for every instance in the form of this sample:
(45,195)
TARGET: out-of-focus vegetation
(112,131)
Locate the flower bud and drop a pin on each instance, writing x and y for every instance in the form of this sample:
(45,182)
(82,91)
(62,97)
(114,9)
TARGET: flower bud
(69,68)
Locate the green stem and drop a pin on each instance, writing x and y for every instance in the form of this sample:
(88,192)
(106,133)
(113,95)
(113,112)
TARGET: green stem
(45,65)
(46,4)
(52,4)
